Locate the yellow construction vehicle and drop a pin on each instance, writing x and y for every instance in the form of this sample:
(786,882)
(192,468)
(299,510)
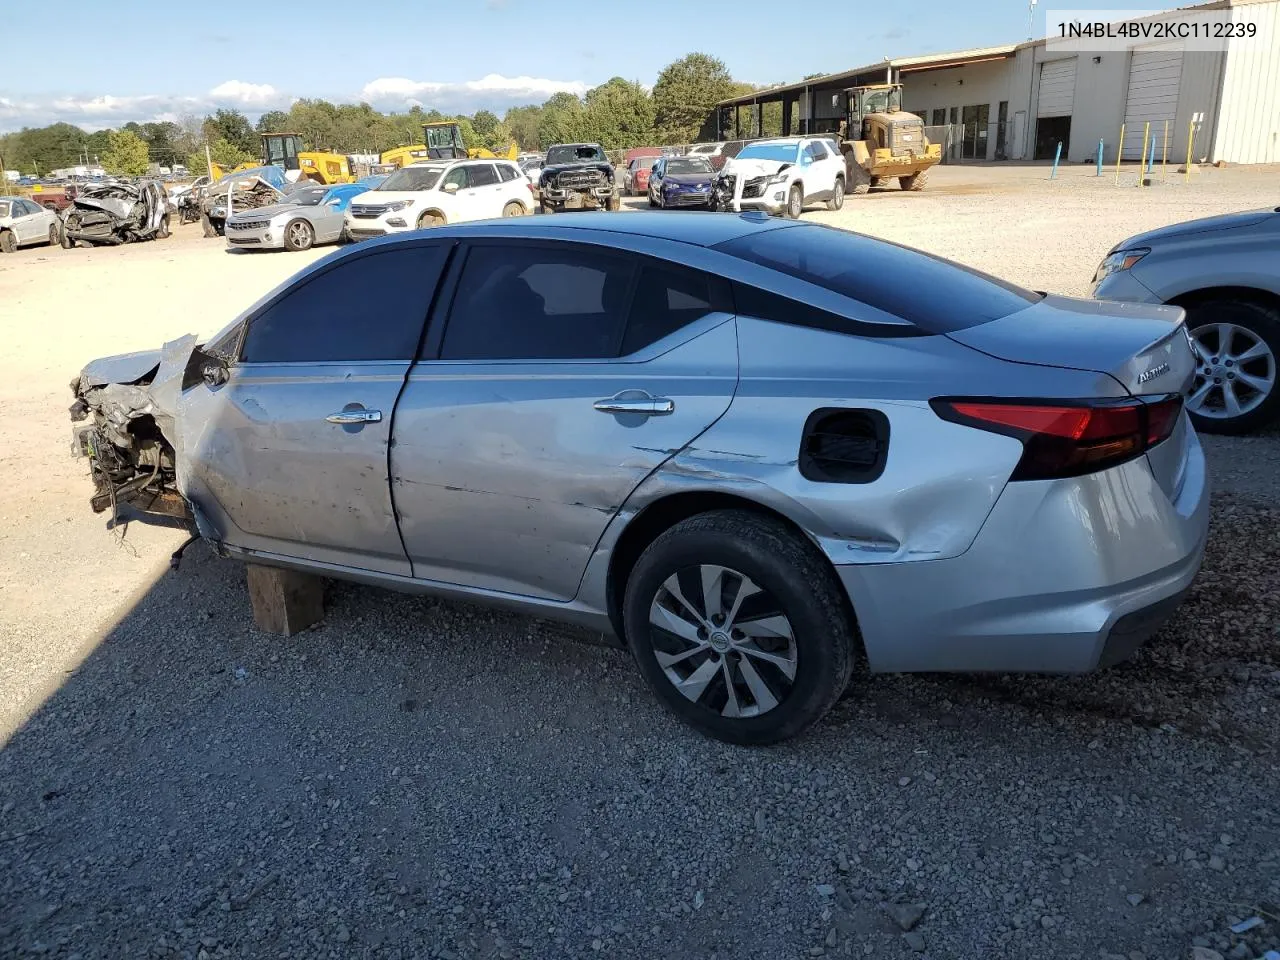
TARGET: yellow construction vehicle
(879,140)
(443,141)
(403,156)
(284,150)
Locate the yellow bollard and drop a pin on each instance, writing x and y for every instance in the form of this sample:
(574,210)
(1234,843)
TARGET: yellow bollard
(1191,132)
(1142,164)
(1164,155)
(1119,154)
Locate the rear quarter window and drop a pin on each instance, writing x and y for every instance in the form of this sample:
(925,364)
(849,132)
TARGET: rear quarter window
(935,295)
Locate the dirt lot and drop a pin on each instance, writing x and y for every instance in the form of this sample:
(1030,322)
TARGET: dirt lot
(417,778)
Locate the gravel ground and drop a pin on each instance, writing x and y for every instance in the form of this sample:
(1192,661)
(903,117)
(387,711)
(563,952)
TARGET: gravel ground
(415,778)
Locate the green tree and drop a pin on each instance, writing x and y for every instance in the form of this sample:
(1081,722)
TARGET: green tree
(232,126)
(522,125)
(685,95)
(225,153)
(273,121)
(618,114)
(561,120)
(97,144)
(126,155)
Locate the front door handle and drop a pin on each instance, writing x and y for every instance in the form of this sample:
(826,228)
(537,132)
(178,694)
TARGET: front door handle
(359,415)
(631,401)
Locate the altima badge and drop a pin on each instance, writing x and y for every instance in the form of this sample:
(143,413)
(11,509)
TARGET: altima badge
(1153,373)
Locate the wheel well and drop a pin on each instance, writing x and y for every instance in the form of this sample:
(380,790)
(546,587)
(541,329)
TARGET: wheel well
(659,517)
(433,212)
(1263,298)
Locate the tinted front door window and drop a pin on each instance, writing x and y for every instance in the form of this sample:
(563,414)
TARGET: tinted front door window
(538,302)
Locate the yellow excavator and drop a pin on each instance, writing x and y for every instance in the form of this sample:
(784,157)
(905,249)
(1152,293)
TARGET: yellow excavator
(442,140)
(285,150)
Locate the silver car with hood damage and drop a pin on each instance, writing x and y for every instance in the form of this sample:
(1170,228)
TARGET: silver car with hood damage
(757,450)
(308,215)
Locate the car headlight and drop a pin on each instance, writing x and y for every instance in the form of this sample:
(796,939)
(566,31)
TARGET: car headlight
(777,178)
(395,205)
(1120,260)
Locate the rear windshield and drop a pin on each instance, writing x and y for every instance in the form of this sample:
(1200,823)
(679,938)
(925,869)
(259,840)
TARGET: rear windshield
(574,153)
(935,295)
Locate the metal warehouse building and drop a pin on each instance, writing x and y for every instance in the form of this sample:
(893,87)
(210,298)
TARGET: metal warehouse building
(1018,101)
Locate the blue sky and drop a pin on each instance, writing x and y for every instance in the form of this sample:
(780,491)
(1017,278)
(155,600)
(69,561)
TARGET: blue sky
(160,61)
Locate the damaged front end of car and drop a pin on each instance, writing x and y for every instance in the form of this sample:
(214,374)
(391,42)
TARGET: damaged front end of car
(127,427)
(116,213)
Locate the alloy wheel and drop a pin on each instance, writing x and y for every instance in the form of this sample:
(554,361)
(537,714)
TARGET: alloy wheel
(1235,371)
(722,641)
(299,233)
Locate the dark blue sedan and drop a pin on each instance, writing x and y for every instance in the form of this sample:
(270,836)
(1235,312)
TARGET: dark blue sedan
(681,182)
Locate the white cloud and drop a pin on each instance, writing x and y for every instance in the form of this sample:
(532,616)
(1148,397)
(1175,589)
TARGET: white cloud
(493,92)
(93,112)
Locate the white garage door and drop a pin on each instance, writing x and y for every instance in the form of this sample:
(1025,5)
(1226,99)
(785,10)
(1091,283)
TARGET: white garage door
(1057,88)
(1154,74)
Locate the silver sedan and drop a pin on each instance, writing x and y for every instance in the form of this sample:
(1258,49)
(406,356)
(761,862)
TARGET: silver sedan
(312,215)
(758,451)
(24,222)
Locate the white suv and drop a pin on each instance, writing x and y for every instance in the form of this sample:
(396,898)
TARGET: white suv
(435,192)
(783,176)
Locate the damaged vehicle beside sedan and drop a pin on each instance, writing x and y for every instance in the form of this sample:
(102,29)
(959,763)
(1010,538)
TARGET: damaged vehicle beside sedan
(760,452)
(242,190)
(109,214)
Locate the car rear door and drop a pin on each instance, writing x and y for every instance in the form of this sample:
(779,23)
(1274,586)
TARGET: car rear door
(562,376)
(30,224)
(289,456)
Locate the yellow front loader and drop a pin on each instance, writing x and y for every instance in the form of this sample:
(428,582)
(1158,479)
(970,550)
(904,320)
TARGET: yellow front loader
(880,140)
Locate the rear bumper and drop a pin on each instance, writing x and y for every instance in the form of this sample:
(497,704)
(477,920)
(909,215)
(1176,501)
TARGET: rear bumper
(1065,576)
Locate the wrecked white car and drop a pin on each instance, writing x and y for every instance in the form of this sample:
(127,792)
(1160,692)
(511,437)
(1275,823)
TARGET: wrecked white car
(238,190)
(115,213)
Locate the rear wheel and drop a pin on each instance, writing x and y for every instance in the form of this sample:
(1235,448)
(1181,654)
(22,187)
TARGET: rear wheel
(915,181)
(1237,344)
(8,242)
(740,627)
(837,195)
(795,202)
(163,232)
(207,228)
(513,209)
(299,236)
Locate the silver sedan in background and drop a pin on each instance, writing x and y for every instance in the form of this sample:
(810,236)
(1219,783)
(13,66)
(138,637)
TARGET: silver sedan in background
(312,215)
(1225,272)
(758,451)
(24,222)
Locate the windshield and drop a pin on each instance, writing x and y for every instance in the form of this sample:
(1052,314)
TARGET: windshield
(371,183)
(574,154)
(412,178)
(685,165)
(705,148)
(880,101)
(309,196)
(933,294)
(781,152)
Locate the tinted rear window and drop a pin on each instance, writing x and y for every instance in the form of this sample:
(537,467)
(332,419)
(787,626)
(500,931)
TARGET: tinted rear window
(936,295)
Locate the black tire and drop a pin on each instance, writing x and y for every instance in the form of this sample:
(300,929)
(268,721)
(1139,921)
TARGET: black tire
(163,232)
(1263,321)
(837,196)
(793,577)
(915,181)
(513,209)
(614,203)
(65,239)
(8,242)
(859,180)
(207,228)
(795,202)
(299,235)
(55,235)
(875,181)
(652,202)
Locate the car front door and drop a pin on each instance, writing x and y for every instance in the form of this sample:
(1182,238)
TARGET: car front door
(563,375)
(328,217)
(289,456)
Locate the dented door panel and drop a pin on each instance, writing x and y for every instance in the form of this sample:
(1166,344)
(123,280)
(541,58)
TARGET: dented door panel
(505,474)
(268,470)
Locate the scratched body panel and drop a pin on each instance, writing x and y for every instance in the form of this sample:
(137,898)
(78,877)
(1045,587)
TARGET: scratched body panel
(270,473)
(504,474)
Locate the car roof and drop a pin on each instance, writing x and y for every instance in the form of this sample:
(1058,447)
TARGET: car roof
(698,229)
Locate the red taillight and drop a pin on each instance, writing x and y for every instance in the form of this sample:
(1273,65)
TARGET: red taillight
(1067,439)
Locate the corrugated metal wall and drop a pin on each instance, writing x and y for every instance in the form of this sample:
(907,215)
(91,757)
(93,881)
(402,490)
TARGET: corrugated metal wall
(1249,123)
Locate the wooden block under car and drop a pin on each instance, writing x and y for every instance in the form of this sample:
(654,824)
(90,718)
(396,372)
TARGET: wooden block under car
(284,602)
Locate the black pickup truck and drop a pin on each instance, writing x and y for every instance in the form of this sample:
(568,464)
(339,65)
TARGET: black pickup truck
(578,176)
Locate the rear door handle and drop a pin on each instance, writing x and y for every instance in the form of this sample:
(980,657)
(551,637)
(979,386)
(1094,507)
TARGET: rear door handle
(645,405)
(355,416)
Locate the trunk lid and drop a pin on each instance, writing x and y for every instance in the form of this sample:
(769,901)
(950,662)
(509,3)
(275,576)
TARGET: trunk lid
(1142,346)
